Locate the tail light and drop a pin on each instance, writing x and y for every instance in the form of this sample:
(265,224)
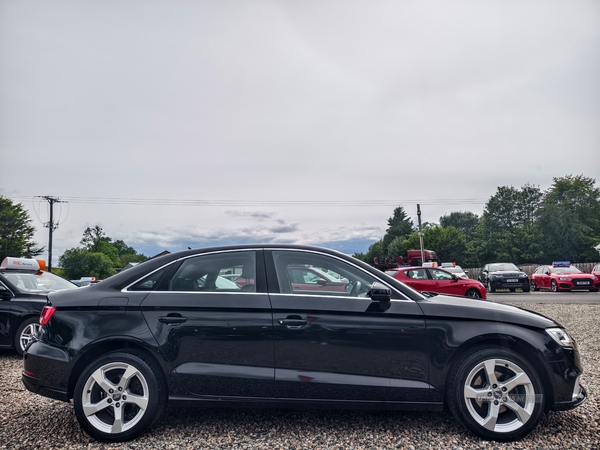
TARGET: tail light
(46,314)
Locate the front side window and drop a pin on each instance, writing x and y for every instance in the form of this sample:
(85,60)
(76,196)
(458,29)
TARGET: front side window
(417,274)
(309,273)
(221,272)
(440,275)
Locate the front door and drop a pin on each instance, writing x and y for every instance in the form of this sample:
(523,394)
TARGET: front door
(340,345)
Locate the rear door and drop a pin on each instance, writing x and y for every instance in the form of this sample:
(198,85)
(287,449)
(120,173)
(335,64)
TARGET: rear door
(340,345)
(217,334)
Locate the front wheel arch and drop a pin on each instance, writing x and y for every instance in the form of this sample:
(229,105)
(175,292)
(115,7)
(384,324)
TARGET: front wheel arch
(519,346)
(495,393)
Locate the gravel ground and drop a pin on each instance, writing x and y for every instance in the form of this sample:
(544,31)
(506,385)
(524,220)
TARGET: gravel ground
(30,421)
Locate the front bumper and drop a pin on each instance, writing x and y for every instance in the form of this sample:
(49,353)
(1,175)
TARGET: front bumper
(505,284)
(579,396)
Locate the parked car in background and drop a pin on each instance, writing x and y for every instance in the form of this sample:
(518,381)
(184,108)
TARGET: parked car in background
(455,269)
(23,289)
(125,348)
(562,276)
(504,276)
(596,273)
(434,279)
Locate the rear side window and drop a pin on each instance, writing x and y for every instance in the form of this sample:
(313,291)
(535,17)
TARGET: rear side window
(222,272)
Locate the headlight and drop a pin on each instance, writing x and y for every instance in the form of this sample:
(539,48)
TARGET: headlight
(564,278)
(523,275)
(560,336)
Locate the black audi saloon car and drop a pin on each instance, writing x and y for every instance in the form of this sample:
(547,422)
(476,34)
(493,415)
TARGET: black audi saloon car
(230,325)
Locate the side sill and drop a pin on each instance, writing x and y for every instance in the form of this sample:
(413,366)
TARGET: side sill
(293,403)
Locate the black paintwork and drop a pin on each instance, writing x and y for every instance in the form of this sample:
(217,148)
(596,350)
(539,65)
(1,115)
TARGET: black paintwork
(15,307)
(272,347)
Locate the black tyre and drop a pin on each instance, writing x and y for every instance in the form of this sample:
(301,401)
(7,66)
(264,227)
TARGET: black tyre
(490,288)
(495,393)
(473,293)
(512,289)
(25,333)
(554,286)
(526,289)
(533,286)
(119,396)
(593,290)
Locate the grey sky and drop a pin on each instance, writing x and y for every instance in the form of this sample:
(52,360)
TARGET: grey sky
(255,106)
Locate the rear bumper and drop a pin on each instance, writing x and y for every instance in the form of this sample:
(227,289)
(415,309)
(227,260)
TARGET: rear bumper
(32,384)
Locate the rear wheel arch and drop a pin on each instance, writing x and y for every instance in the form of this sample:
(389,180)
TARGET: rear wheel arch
(100,349)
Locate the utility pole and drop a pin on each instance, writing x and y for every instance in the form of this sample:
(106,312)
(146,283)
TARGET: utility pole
(51,226)
(420,234)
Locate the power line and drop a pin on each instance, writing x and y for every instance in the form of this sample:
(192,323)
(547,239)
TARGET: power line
(265,203)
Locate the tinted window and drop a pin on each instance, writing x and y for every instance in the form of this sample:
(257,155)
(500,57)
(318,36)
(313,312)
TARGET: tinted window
(222,272)
(150,282)
(308,274)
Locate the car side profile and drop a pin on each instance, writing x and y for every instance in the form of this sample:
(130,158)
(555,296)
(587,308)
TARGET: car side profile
(169,331)
(432,279)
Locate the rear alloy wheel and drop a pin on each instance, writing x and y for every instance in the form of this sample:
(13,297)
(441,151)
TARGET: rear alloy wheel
(25,334)
(119,396)
(533,286)
(554,286)
(496,394)
(473,293)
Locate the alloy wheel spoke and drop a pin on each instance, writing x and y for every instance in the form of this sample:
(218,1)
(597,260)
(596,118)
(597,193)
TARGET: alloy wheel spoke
(101,381)
(117,426)
(490,421)
(519,379)
(127,375)
(522,414)
(89,409)
(490,371)
(474,393)
(138,400)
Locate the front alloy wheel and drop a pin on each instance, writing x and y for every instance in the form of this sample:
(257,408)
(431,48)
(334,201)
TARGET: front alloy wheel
(496,394)
(119,396)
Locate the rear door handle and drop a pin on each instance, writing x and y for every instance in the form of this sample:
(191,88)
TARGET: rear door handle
(172,319)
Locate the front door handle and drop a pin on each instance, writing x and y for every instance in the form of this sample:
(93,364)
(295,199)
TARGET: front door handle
(293,322)
(172,319)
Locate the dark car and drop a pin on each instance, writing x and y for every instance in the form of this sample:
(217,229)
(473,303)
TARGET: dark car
(504,276)
(432,279)
(166,331)
(23,288)
(562,276)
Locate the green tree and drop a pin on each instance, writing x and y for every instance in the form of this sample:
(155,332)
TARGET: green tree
(399,226)
(569,219)
(79,262)
(16,231)
(508,229)
(465,221)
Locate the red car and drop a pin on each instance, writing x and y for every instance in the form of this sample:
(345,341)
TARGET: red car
(433,279)
(562,276)
(596,273)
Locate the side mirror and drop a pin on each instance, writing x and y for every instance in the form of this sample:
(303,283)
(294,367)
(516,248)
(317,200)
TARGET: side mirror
(455,278)
(485,271)
(322,282)
(382,294)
